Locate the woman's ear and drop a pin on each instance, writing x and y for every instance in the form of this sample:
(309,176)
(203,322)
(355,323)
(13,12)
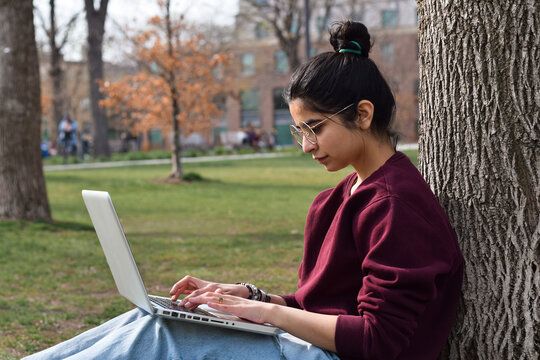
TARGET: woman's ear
(365,114)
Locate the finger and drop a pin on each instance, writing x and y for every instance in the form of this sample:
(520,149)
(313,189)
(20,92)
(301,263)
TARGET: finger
(187,281)
(190,282)
(185,286)
(192,294)
(180,291)
(193,302)
(177,286)
(220,306)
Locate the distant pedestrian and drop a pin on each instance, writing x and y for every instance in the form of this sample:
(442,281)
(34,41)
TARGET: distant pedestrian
(253,137)
(85,145)
(67,137)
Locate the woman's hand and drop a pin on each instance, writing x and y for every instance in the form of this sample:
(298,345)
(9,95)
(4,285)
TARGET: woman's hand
(251,310)
(318,329)
(194,287)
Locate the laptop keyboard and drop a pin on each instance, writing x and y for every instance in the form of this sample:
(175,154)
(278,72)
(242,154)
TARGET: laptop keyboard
(166,303)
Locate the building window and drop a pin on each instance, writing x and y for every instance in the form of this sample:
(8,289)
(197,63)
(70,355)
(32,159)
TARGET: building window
(250,100)
(250,108)
(154,137)
(389,18)
(388,52)
(282,119)
(261,31)
(248,64)
(282,62)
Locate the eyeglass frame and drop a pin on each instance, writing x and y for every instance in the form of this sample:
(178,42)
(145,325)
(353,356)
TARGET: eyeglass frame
(298,130)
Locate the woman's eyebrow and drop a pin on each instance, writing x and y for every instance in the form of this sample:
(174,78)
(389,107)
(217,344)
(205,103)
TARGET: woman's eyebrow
(311,121)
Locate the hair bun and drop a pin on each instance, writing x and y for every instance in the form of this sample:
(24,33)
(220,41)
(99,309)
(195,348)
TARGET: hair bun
(348,35)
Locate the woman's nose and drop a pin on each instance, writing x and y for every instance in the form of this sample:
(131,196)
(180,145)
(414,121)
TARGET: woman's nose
(307,146)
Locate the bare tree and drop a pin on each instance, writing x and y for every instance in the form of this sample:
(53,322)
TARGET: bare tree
(22,186)
(286,19)
(479,151)
(177,170)
(327,6)
(96,29)
(55,59)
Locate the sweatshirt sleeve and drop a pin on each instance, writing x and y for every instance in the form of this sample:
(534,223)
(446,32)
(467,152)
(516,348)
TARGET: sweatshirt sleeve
(291,301)
(402,265)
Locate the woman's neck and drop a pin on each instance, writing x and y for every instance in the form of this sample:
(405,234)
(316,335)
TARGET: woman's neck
(375,155)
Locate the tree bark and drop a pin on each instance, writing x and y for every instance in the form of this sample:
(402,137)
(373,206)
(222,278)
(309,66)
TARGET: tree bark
(479,146)
(176,154)
(56,73)
(23,194)
(96,29)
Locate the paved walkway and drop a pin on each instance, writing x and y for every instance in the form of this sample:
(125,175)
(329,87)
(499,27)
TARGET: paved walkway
(197,159)
(109,164)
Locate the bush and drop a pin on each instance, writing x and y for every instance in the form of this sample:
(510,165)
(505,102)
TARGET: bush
(192,176)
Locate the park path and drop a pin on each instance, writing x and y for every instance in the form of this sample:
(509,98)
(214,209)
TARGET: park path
(110,164)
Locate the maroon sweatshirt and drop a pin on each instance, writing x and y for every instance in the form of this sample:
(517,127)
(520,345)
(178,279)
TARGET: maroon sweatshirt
(386,261)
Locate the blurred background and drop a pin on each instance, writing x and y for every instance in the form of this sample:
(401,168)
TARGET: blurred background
(260,43)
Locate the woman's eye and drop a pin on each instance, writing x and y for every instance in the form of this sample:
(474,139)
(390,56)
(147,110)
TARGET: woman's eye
(316,128)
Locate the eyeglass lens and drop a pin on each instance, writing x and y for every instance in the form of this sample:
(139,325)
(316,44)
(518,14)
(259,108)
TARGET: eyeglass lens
(303,131)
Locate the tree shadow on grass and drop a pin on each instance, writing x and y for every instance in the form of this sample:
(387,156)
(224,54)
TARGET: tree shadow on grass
(53,226)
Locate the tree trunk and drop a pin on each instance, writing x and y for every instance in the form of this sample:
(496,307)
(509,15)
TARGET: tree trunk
(22,185)
(96,30)
(290,47)
(176,154)
(479,147)
(56,74)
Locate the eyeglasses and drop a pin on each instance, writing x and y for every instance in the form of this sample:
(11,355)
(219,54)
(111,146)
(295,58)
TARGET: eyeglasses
(309,132)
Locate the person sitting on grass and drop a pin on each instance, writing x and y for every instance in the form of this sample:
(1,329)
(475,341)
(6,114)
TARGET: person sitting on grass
(382,271)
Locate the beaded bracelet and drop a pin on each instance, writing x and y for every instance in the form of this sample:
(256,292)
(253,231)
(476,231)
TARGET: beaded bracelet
(265,296)
(253,291)
(256,293)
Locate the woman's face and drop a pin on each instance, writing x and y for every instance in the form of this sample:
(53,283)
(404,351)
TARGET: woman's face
(337,146)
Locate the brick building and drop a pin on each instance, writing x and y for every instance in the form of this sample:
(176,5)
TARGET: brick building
(260,72)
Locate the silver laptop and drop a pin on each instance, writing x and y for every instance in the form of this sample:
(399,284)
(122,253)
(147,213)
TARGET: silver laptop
(128,279)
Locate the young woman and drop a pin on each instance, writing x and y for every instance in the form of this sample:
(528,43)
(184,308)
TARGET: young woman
(381,273)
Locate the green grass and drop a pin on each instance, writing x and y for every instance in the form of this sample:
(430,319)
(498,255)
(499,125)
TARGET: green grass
(152,154)
(248,217)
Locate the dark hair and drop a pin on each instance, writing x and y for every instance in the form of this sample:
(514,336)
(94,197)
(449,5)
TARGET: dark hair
(330,81)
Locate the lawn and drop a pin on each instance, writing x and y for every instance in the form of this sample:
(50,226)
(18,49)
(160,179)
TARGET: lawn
(245,223)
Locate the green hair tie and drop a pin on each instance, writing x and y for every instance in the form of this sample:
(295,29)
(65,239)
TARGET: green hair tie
(352,51)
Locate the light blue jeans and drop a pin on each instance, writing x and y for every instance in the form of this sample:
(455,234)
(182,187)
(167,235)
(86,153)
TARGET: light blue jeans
(138,335)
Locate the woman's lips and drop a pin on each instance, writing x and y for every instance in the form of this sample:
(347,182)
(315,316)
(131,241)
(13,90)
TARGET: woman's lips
(321,159)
